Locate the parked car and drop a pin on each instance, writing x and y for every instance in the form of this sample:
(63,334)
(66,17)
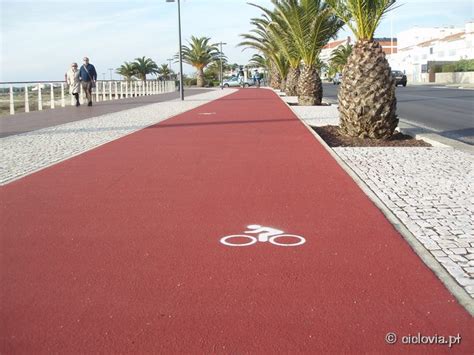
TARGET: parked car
(400,78)
(336,80)
(234,82)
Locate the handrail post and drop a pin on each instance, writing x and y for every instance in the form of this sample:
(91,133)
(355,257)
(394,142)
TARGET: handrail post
(103,91)
(51,103)
(27,99)
(97,93)
(116,90)
(12,102)
(63,101)
(121,89)
(110,90)
(126,89)
(40,99)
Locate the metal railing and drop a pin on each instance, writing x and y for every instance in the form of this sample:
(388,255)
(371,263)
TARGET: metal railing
(26,96)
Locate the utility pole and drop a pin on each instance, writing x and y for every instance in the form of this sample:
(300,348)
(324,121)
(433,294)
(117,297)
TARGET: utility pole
(181,83)
(222,72)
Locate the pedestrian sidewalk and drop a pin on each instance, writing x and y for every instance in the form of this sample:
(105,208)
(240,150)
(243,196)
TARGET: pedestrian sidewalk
(35,120)
(119,249)
(31,151)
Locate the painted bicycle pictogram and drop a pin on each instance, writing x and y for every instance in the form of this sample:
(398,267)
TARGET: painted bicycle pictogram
(263,234)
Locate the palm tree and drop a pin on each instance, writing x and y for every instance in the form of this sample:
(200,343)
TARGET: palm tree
(310,24)
(264,41)
(164,71)
(367,102)
(199,54)
(339,57)
(127,70)
(258,61)
(144,66)
(279,29)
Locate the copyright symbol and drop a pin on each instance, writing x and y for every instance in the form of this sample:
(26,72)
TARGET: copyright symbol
(391,338)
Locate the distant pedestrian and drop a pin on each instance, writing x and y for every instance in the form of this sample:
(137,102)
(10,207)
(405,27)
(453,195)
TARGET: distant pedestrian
(72,79)
(256,78)
(88,76)
(241,76)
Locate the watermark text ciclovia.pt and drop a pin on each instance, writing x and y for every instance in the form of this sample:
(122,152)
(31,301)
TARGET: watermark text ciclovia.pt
(415,339)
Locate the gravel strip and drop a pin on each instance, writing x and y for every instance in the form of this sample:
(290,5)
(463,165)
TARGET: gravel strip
(26,153)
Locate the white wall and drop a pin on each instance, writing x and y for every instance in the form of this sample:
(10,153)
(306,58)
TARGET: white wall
(455,78)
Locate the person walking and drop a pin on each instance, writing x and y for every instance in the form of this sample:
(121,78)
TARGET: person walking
(256,78)
(241,76)
(88,76)
(72,80)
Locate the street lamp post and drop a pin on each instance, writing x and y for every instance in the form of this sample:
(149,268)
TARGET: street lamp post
(222,72)
(181,89)
(111,70)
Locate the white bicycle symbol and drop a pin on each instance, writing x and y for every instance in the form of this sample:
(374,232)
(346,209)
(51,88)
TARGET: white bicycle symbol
(269,235)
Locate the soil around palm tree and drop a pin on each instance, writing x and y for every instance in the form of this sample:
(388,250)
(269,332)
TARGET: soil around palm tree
(332,136)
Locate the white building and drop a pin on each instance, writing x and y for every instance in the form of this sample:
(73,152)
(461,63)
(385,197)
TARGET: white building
(389,46)
(419,46)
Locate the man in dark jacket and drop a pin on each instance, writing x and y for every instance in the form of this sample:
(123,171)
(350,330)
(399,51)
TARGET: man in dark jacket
(88,76)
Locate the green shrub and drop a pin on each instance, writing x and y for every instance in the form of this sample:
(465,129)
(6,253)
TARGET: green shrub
(459,66)
(437,68)
(448,68)
(190,81)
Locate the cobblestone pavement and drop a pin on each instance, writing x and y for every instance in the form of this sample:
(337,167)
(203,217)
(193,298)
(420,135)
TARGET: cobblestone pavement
(325,115)
(431,190)
(25,153)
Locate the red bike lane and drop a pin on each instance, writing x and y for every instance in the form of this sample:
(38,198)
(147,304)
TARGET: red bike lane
(118,249)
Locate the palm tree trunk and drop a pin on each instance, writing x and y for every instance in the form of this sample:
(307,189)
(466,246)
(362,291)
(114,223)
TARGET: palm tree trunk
(282,84)
(292,81)
(310,87)
(367,102)
(275,79)
(200,77)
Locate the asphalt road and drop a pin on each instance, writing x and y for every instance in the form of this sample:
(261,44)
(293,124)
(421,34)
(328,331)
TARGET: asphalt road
(447,111)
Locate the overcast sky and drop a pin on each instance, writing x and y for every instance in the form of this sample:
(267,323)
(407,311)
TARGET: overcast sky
(39,39)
